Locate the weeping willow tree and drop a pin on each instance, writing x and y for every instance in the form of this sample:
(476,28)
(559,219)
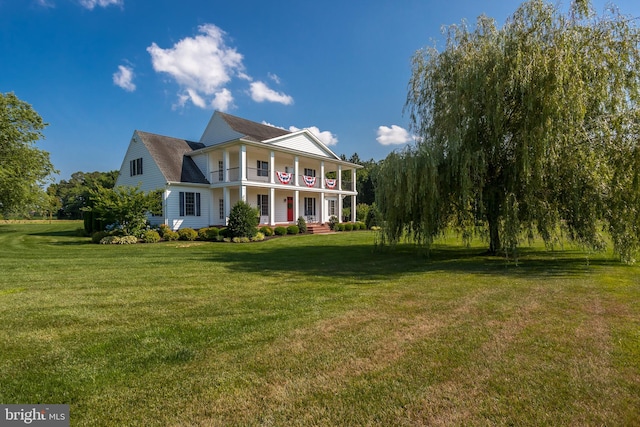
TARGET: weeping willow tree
(529,129)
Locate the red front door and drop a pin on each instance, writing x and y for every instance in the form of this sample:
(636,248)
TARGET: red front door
(289,209)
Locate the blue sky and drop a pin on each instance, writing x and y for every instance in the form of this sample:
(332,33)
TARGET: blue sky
(96,70)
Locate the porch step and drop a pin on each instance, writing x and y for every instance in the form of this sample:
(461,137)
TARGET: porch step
(318,229)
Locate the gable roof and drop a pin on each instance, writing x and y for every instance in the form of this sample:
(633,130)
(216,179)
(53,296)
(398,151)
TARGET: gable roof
(253,131)
(170,154)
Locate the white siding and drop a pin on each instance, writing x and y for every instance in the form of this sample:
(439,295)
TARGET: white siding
(151,177)
(174,220)
(302,142)
(218,131)
(202,161)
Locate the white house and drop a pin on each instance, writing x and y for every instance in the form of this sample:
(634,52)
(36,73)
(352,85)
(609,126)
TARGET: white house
(282,173)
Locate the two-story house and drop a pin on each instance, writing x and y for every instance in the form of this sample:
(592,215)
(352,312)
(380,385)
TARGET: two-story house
(283,174)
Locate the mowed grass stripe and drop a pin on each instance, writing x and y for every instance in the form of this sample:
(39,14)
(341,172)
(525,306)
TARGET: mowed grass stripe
(315,330)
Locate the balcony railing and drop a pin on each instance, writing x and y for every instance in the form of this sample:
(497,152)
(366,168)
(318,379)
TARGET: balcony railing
(281,178)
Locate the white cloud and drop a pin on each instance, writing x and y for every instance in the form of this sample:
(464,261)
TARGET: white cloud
(124,78)
(393,135)
(326,137)
(202,65)
(260,92)
(223,100)
(274,77)
(91,4)
(45,3)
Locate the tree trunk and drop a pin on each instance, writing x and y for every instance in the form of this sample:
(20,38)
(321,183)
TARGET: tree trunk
(494,235)
(493,220)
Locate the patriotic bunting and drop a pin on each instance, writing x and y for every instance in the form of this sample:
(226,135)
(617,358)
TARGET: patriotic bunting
(309,181)
(284,177)
(331,183)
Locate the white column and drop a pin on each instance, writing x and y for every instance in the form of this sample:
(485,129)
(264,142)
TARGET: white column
(272,167)
(340,178)
(322,175)
(272,206)
(296,200)
(353,208)
(242,158)
(225,160)
(295,171)
(339,208)
(227,204)
(353,179)
(243,193)
(321,209)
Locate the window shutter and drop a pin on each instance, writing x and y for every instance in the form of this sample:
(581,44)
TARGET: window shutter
(197,204)
(130,167)
(181,203)
(140,166)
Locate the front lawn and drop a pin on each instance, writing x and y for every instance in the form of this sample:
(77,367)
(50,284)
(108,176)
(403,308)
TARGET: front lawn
(315,330)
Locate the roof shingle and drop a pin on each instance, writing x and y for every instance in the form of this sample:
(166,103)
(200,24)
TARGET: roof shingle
(254,131)
(170,156)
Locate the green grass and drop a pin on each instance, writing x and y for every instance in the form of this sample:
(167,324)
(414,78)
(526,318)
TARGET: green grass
(315,330)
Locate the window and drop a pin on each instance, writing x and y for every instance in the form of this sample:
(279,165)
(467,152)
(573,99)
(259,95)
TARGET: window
(309,206)
(135,167)
(220,170)
(263,204)
(189,203)
(332,207)
(221,208)
(310,172)
(263,168)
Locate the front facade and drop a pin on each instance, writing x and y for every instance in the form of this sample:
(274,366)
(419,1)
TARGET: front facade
(285,175)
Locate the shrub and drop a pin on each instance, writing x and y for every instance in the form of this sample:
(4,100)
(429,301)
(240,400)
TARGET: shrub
(258,237)
(98,236)
(302,225)
(373,217)
(362,210)
(187,234)
(224,232)
(170,235)
(361,225)
(243,220)
(266,230)
(209,234)
(340,226)
(333,220)
(163,228)
(293,229)
(119,240)
(348,226)
(240,240)
(280,231)
(151,236)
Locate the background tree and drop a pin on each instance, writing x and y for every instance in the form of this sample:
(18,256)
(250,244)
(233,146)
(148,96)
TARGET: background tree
(127,207)
(24,169)
(523,129)
(74,194)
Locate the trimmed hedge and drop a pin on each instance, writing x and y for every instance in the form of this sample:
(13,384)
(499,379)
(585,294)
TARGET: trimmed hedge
(187,234)
(293,229)
(280,231)
(151,236)
(266,230)
(170,235)
(209,234)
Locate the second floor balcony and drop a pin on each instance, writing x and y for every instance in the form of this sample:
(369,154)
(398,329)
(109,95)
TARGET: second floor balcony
(279,178)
